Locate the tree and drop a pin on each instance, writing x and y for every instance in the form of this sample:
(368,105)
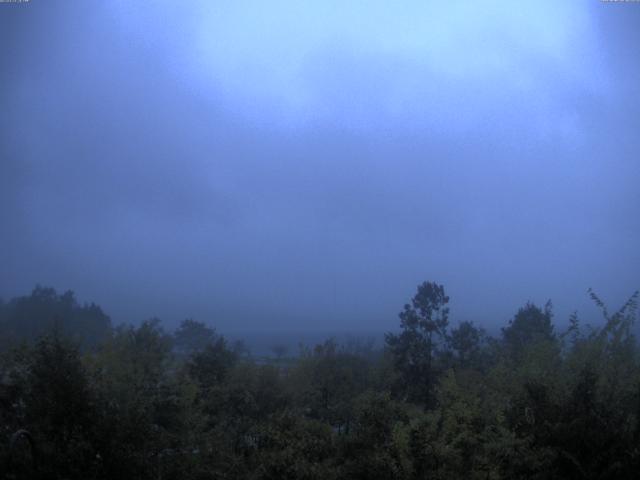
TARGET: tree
(59,409)
(29,317)
(326,381)
(292,447)
(378,447)
(424,330)
(135,400)
(529,326)
(192,337)
(211,366)
(466,341)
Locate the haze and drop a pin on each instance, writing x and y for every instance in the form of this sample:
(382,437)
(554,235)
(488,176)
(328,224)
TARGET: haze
(304,165)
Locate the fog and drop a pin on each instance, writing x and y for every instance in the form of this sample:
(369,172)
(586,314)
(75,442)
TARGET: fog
(280,166)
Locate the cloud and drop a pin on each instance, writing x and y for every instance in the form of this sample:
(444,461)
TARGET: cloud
(304,165)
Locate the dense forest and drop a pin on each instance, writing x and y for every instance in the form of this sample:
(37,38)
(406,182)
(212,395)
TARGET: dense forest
(82,399)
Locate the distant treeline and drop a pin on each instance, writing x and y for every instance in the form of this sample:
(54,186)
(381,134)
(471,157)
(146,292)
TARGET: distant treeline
(25,319)
(80,399)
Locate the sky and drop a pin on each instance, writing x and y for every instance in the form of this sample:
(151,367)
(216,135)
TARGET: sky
(304,165)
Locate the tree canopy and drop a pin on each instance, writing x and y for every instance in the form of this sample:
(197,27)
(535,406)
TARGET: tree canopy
(436,401)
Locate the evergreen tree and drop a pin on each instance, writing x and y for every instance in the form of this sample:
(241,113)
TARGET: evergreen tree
(424,331)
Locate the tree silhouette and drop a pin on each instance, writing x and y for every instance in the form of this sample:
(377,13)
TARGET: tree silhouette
(424,329)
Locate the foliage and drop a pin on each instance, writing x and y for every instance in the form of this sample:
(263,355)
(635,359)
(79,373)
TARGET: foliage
(531,325)
(192,337)
(436,403)
(424,330)
(30,317)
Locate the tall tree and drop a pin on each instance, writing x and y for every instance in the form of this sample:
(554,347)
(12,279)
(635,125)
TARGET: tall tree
(424,330)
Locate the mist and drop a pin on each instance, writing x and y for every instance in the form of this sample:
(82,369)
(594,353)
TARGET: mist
(302,166)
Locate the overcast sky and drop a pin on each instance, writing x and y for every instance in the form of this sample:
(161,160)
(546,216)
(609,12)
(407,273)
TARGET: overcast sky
(304,165)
